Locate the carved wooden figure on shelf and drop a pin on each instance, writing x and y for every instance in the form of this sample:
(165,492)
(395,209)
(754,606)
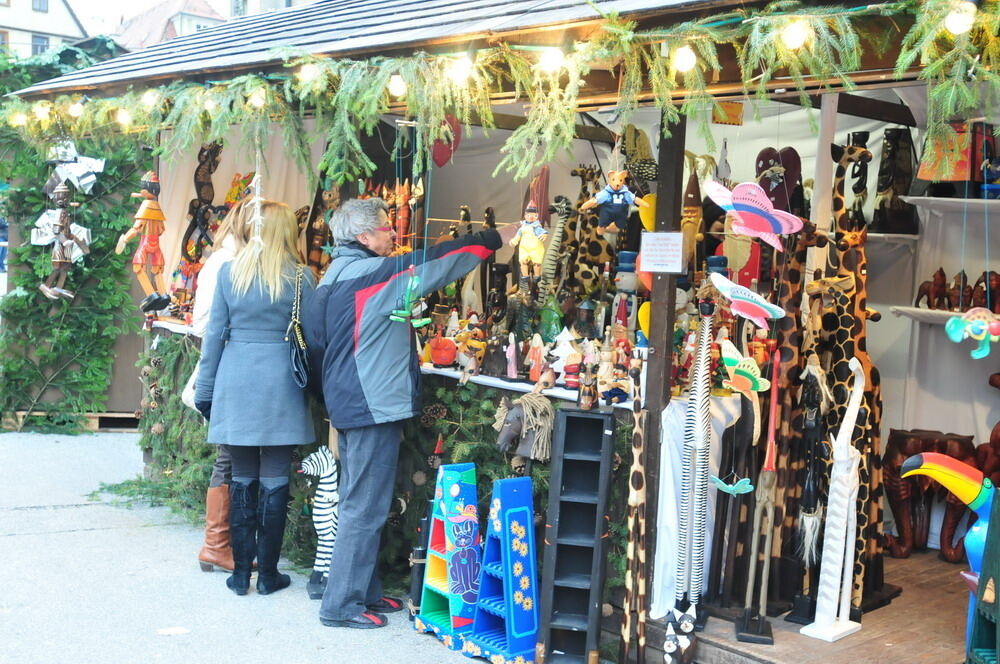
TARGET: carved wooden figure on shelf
(960,293)
(986,291)
(934,292)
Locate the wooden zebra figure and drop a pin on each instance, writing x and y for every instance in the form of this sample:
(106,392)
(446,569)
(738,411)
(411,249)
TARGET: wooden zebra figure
(325,507)
(553,255)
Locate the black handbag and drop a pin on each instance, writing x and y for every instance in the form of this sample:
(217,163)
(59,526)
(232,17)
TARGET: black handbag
(296,340)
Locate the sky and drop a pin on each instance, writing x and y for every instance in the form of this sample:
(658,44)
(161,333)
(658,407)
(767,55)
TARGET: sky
(103,16)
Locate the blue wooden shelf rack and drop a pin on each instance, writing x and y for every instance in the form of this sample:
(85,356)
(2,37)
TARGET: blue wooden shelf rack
(507,618)
(451,577)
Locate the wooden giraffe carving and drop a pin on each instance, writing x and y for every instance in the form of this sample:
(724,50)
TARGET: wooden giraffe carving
(852,261)
(636,600)
(585,249)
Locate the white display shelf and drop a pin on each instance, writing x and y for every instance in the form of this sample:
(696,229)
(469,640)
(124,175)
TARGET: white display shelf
(176,328)
(929,316)
(943,206)
(894,238)
(506,384)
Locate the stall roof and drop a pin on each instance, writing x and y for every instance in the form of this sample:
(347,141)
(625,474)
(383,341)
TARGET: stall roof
(341,27)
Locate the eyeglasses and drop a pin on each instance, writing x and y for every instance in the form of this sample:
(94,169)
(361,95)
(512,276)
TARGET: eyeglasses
(384,229)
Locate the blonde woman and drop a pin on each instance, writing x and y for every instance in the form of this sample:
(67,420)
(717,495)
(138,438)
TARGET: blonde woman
(246,390)
(232,235)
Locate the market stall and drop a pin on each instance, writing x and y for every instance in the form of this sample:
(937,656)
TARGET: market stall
(709,290)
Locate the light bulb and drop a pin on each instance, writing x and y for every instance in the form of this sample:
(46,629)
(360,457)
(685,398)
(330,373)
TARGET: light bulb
(961,18)
(41,112)
(123,117)
(150,98)
(308,72)
(258,98)
(460,69)
(795,34)
(75,109)
(210,104)
(19,120)
(552,60)
(397,86)
(685,58)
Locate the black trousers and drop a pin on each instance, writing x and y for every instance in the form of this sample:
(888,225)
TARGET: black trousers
(252,462)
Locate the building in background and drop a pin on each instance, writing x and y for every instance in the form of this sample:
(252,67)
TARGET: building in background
(240,8)
(32,27)
(166,20)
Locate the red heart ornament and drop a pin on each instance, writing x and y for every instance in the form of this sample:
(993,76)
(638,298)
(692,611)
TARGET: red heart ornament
(442,151)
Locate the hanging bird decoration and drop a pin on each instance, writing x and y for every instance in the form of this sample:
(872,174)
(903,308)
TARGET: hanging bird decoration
(979,324)
(746,303)
(744,374)
(753,212)
(737,488)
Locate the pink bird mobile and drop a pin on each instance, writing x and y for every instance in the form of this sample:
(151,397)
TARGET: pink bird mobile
(744,302)
(753,213)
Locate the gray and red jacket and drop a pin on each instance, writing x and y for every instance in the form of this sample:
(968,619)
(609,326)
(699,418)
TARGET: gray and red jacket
(367,364)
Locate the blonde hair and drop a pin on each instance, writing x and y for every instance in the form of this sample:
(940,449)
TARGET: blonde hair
(235,224)
(271,260)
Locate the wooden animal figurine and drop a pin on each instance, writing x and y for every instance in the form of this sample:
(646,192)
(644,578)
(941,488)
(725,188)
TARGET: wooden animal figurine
(552,262)
(149,226)
(530,242)
(325,508)
(586,398)
(613,203)
(444,352)
(986,291)
(473,346)
(315,237)
(528,421)
(69,241)
(934,292)
(960,293)
(200,210)
(584,250)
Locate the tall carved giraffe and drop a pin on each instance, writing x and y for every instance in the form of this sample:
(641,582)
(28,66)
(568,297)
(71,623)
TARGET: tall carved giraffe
(791,456)
(585,249)
(852,261)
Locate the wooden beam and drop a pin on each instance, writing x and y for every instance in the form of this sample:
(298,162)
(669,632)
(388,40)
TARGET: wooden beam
(864,107)
(598,134)
(669,199)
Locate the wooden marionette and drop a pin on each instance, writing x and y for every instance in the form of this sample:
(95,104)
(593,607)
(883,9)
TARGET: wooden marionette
(601,317)
(316,235)
(572,365)
(626,303)
(149,226)
(530,243)
(534,359)
(583,324)
(606,367)
(70,242)
(622,347)
(613,203)
(403,213)
(693,513)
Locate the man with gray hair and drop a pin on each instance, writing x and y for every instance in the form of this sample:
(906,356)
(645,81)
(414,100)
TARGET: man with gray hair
(370,374)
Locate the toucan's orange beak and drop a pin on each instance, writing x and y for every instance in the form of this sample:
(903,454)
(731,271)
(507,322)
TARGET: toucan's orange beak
(959,478)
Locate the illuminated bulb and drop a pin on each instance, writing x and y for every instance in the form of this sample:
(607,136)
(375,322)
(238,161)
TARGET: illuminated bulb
(685,59)
(552,60)
(961,18)
(397,86)
(18,119)
(795,34)
(308,72)
(75,109)
(210,104)
(258,98)
(123,117)
(41,112)
(460,69)
(150,98)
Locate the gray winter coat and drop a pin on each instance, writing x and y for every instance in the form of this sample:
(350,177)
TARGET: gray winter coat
(245,372)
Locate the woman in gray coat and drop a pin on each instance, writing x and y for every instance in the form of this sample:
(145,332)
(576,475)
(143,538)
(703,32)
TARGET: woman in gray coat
(246,390)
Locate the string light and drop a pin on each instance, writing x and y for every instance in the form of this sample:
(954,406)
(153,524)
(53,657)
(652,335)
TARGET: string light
(552,60)
(460,69)
(684,58)
(19,120)
(123,117)
(150,98)
(75,109)
(41,111)
(308,72)
(961,18)
(397,86)
(210,104)
(796,34)
(258,98)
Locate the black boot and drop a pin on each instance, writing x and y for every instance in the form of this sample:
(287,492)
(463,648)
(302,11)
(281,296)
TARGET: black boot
(243,533)
(273,513)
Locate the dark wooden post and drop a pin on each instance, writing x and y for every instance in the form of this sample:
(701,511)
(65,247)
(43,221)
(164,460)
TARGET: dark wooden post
(669,198)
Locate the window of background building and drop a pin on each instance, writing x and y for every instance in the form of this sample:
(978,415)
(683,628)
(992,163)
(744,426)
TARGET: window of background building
(239,8)
(40,5)
(39,44)
(4,3)
(4,40)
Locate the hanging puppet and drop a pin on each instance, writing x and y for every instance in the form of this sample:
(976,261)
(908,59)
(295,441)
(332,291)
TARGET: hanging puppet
(149,226)
(614,202)
(70,242)
(530,243)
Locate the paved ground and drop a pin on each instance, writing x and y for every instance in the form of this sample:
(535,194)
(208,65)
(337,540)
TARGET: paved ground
(94,582)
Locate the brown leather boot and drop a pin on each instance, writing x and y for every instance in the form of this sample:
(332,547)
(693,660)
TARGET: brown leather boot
(217,551)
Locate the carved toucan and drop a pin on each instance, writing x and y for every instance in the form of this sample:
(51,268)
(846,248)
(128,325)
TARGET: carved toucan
(971,487)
